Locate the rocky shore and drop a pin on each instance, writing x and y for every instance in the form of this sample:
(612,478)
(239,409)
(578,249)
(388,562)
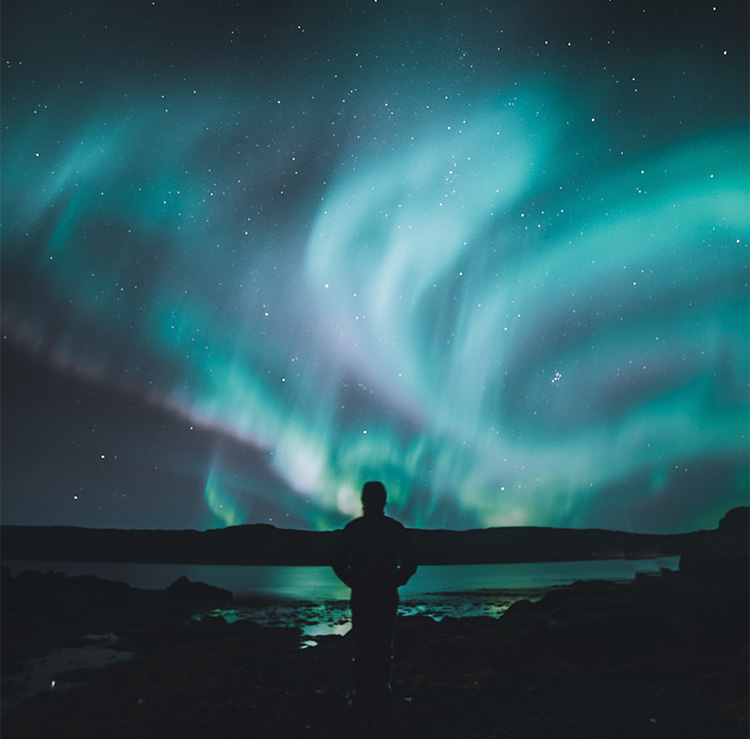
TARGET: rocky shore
(662,656)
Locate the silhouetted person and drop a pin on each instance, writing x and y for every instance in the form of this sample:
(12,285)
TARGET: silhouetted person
(374,556)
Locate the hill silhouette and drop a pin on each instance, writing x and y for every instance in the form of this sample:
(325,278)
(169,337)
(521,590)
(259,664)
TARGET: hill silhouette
(263,544)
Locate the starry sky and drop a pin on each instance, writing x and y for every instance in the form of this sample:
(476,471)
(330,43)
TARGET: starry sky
(494,254)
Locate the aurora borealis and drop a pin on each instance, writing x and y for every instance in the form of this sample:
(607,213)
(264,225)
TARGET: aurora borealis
(254,254)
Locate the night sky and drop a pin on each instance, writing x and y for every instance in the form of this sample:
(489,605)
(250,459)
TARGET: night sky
(494,254)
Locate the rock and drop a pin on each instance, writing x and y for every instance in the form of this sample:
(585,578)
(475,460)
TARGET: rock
(184,588)
(722,553)
(736,522)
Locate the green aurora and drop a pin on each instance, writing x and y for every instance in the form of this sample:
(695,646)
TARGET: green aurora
(505,273)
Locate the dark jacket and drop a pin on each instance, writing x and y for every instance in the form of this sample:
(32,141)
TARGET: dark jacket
(374,552)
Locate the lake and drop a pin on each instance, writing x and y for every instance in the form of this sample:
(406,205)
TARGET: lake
(313,597)
(320,584)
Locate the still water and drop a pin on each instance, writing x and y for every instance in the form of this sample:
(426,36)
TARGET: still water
(312,599)
(319,584)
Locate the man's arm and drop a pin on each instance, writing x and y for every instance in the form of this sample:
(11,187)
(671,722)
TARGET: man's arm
(340,562)
(408,555)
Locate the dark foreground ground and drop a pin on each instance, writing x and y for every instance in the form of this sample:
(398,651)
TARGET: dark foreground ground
(659,657)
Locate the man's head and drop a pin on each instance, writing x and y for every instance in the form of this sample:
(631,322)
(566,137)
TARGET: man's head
(373,497)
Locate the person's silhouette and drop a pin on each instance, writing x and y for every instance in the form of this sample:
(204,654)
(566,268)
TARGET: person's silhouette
(374,556)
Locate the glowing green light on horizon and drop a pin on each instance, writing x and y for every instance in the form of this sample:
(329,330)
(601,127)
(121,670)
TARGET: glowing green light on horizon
(220,503)
(453,317)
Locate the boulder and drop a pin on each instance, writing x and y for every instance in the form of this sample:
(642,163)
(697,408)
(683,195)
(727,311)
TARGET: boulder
(736,522)
(184,588)
(724,553)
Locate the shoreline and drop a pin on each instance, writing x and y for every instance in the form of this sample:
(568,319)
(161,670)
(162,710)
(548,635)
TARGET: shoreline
(590,659)
(316,583)
(663,656)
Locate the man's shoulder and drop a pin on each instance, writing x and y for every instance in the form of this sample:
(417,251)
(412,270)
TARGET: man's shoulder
(394,523)
(394,527)
(379,521)
(353,523)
